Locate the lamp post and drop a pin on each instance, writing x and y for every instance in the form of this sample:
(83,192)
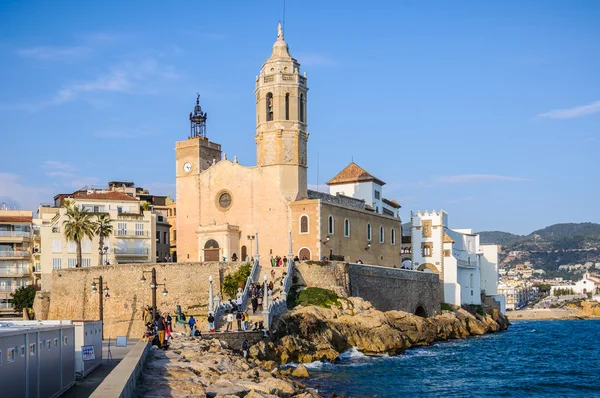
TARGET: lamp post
(104,254)
(290,251)
(250,238)
(102,294)
(210,294)
(154,286)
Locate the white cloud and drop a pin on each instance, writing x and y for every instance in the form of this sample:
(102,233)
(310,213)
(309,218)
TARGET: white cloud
(14,191)
(50,53)
(127,77)
(570,113)
(475,178)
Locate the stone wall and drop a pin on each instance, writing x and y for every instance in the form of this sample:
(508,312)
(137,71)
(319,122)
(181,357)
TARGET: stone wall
(396,289)
(386,288)
(187,284)
(331,276)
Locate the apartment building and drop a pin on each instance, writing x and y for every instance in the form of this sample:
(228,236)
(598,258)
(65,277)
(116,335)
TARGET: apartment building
(16,235)
(137,233)
(172,219)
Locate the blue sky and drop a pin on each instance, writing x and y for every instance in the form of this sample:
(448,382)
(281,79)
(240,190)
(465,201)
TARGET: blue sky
(487,109)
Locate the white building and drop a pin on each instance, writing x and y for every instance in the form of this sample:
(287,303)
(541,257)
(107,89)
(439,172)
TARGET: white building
(466,267)
(583,286)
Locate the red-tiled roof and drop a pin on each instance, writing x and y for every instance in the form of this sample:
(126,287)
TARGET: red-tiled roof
(110,195)
(13,219)
(353,173)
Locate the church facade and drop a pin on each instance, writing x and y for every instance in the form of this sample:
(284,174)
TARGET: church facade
(224,208)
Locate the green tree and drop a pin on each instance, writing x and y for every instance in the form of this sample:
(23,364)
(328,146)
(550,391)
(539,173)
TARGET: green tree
(103,229)
(146,206)
(23,298)
(78,226)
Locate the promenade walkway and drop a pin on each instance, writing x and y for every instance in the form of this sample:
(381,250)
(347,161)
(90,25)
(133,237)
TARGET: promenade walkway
(85,387)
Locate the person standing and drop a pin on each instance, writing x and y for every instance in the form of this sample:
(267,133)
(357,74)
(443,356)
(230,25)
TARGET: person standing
(238,318)
(161,327)
(211,322)
(285,260)
(191,322)
(254,304)
(245,320)
(229,322)
(147,314)
(245,348)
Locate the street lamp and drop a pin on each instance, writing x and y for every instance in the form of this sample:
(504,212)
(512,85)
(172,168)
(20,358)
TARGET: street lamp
(154,286)
(368,246)
(103,255)
(250,238)
(102,295)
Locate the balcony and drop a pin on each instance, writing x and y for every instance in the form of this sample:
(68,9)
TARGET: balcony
(11,272)
(130,216)
(123,233)
(132,252)
(14,254)
(14,236)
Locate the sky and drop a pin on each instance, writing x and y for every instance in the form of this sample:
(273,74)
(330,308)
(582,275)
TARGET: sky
(489,110)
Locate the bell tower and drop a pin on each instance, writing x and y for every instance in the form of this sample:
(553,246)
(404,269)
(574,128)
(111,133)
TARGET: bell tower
(281,119)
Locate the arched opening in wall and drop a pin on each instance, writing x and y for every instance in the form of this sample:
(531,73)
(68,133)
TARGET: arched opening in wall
(234,257)
(244,253)
(420,311)
(331,225)
(269,102)
(211,250)
(304,254)
(471,280)
(428,268)
(287,106)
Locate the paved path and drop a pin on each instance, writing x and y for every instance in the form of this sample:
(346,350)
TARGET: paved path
(85,387)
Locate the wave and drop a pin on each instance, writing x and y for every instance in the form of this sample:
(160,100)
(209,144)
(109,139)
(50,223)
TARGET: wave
(351,354)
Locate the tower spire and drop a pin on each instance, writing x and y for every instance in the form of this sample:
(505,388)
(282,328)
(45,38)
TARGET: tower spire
(198,121)
(280,32)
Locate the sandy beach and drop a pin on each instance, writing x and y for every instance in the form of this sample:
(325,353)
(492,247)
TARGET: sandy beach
(543,314)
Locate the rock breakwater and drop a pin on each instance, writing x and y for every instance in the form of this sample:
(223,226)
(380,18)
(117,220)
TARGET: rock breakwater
(308,334)
(200,368)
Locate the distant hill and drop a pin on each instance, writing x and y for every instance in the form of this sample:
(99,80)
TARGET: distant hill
(552,233)
(568,230)
(499,238)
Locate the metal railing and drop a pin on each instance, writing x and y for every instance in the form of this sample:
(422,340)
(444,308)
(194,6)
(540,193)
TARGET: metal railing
(8,288)
(221,308)
(278,306)
(14,253)
(131,251)
(15,234)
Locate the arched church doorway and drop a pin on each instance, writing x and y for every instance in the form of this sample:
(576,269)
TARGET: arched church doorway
(211,250)
(244,253)
(304,254)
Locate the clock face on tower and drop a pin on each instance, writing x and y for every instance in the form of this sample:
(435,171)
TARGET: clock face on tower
(187,167)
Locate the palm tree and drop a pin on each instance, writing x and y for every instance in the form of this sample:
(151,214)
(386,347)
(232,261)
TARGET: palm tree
(103,229)
(78,226)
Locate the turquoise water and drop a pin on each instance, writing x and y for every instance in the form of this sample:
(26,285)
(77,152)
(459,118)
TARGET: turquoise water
(532,359)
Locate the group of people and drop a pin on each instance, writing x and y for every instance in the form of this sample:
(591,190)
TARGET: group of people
(159,329)
(241,317)
(278,261)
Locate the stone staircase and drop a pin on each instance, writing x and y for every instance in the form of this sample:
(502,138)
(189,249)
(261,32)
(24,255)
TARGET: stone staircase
(274,274)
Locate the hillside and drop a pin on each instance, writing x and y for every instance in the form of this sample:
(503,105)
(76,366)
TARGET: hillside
(498,238)
(568,230)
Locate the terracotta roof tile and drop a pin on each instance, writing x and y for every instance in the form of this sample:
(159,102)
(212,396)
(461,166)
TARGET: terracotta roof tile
(110,195)
(353,173)
(12,219)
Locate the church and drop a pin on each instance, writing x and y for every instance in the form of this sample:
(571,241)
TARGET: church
(226,210)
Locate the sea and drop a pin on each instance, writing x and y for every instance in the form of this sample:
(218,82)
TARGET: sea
(530,359)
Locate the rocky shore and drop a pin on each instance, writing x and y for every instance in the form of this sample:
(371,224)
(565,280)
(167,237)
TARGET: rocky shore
(311,333)
(209,368)
(200,368)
